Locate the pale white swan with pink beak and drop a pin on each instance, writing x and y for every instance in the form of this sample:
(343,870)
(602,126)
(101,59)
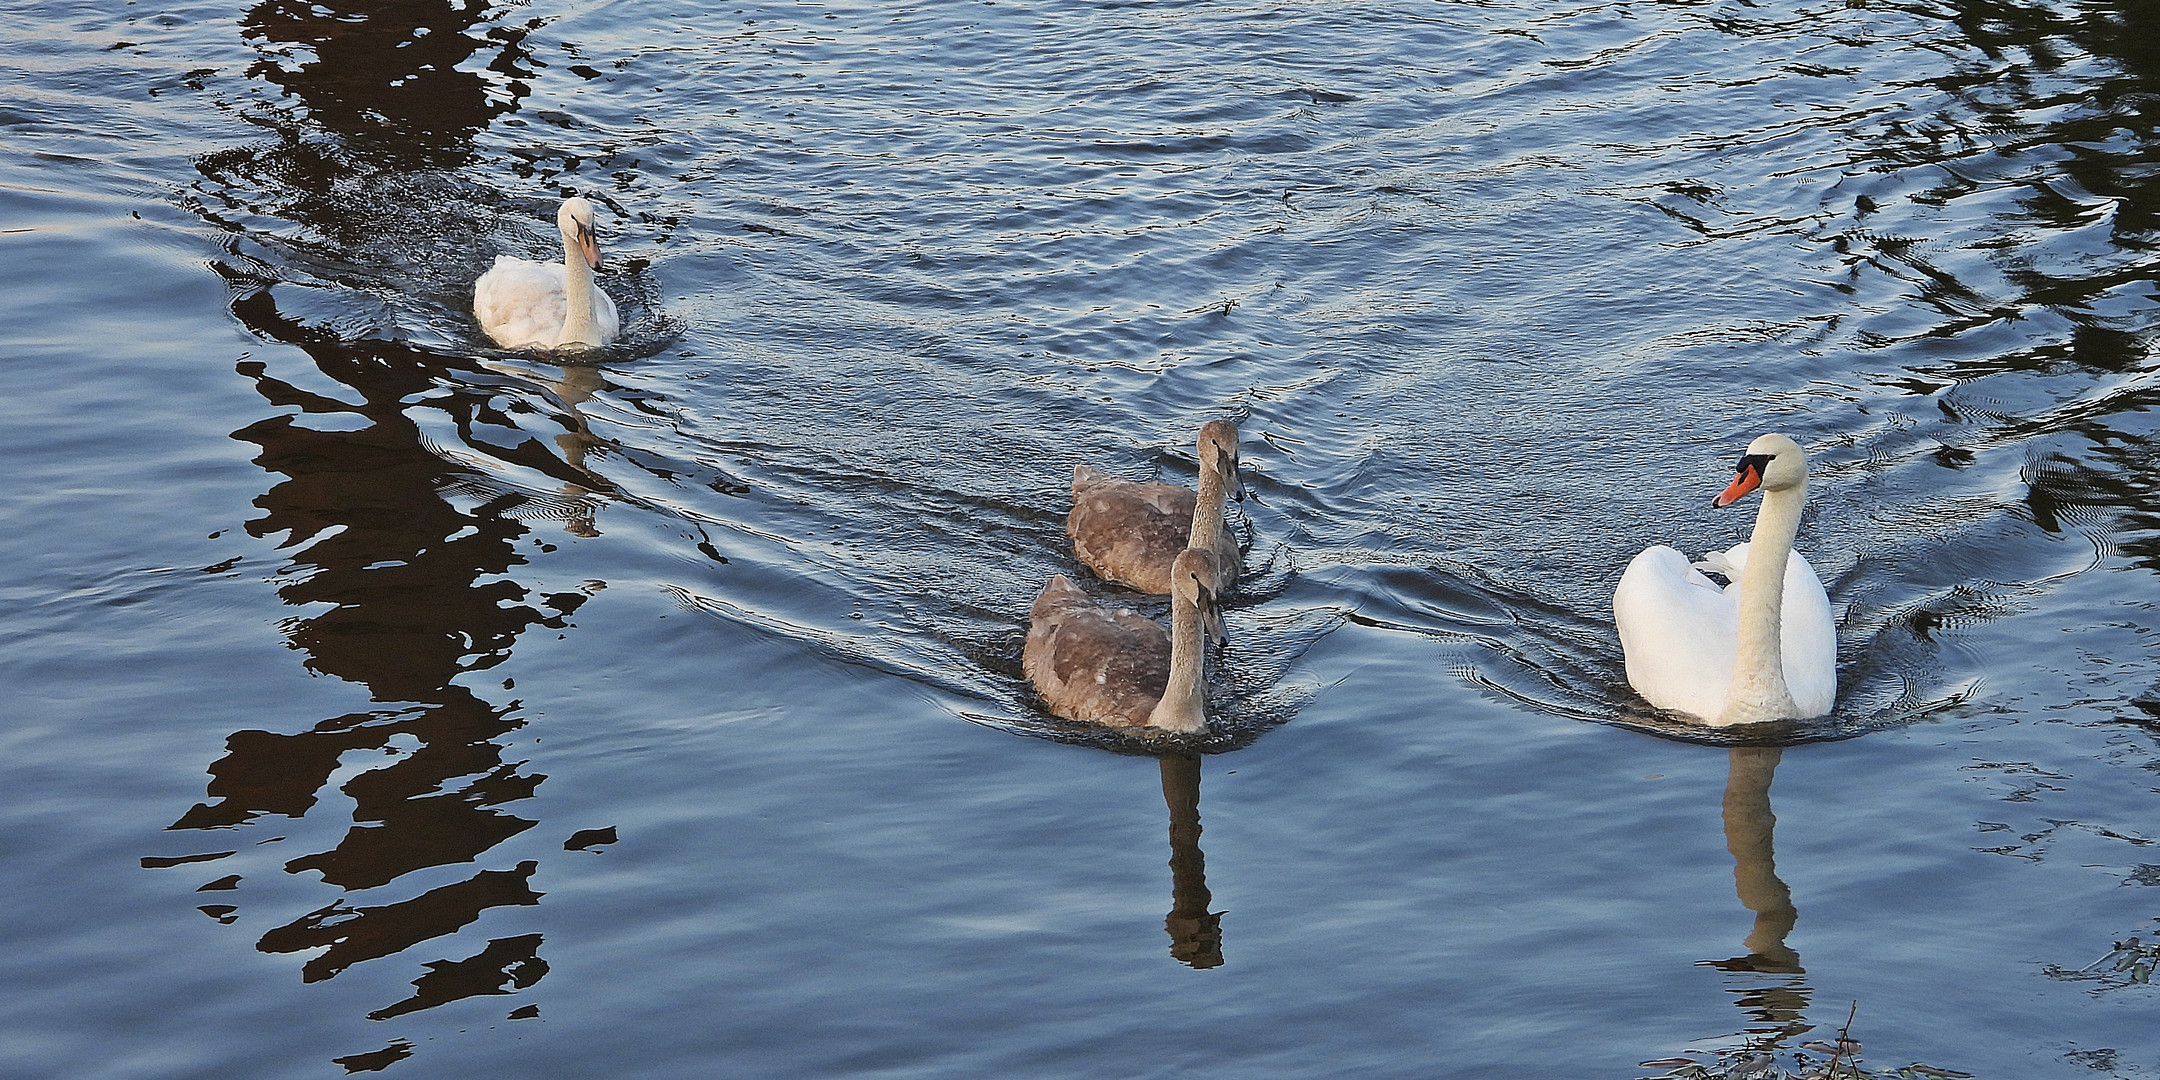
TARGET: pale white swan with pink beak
(524,304)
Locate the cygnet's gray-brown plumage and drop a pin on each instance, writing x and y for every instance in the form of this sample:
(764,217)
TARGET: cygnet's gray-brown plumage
(1128,531)
(1117,667)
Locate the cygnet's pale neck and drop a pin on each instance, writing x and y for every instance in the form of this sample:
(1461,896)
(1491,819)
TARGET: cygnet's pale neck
(1758,690)
(578,327)
(1184,701)
(1208,505)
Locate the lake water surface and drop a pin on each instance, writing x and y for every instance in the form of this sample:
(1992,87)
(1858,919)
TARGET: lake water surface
(378,701)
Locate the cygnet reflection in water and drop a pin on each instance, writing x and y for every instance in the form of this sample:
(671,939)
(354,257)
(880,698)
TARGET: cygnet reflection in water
(1195,932)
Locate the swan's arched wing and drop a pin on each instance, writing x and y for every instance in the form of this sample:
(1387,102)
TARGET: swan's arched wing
(1808,636)
(1679,630)
(606,320)
(520,302)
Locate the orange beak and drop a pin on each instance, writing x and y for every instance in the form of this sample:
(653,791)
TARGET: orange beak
(1749,478)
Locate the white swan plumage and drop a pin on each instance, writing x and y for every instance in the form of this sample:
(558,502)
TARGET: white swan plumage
(1763,647)
(524,304)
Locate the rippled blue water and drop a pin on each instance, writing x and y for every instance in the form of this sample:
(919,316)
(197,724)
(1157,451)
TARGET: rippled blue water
(383,702)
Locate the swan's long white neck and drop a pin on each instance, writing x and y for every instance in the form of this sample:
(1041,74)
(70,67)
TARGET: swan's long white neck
(1758,690)
(578,327)
(1184,701)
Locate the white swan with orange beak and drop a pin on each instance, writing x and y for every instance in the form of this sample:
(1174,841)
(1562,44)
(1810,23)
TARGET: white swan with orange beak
(1761,648)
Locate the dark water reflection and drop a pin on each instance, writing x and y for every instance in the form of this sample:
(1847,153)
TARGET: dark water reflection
(386,78)
(2062,109)
(412,592)
(406,564)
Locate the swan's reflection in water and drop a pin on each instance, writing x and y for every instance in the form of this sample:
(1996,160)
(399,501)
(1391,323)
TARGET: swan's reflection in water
(1749,823)
(1773,990)
(1195,932)
(574,385)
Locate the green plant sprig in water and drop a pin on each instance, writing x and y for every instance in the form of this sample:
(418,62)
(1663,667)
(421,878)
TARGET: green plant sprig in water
(2133,958)
(1759,1061)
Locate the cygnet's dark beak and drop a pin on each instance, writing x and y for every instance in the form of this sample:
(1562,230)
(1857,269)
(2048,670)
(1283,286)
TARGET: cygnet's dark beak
(1210,614)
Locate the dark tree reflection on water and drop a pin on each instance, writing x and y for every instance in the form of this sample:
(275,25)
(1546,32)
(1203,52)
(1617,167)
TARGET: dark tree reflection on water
(2110,141)
(386,75)
(406,564)
(2084,249)
(420,592)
